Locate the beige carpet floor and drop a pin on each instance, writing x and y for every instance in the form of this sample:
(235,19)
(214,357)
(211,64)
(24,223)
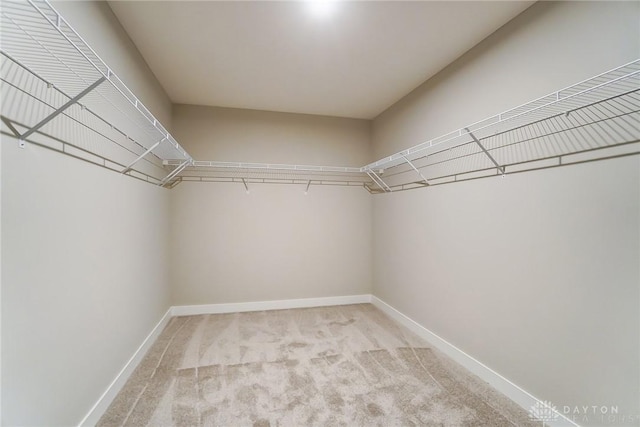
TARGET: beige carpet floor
(330,366)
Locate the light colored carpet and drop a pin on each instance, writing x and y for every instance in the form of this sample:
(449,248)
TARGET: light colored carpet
(333,366)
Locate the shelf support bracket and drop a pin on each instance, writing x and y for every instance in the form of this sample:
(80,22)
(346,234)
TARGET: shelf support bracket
(378,181)
(500,168)
(175,172)
(306,191)
(415,169)
(53,115)
(246,187)
(141,156)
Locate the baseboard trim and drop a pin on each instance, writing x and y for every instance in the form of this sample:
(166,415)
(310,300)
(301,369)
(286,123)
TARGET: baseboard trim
(520,396)
(190,310)
(116,385)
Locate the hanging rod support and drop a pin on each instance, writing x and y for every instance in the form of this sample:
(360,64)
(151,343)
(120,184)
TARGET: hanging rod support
(415,169)
(53,115)
(500,168)
(141,156)
(175,172)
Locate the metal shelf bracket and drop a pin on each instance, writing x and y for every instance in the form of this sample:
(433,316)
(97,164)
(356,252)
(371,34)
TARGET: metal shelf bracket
(53,115)
(141,156)
(175,172)
(501,169)
(416,169)
(378,181)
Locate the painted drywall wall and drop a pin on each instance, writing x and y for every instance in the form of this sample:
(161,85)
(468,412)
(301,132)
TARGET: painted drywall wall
(78,297)
(230,134)
(275,242)
(84,259)
(536,275)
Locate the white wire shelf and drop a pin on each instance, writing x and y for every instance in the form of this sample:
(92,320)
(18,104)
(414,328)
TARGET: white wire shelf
(57,92)
(267,166)
(269,173)
(595,119)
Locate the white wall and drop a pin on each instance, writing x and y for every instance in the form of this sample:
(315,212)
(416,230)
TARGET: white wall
(84,280)
(84,258)
(274,243)
(536,275)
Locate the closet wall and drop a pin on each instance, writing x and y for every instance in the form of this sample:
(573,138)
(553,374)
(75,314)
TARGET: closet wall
(275,242)
(535,275)
(84,256)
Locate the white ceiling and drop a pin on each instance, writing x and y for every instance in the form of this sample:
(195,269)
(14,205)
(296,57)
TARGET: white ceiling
(354,60)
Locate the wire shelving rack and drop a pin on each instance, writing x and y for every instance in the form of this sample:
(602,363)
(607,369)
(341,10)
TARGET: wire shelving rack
(56,92)
(269,173)
(596,119)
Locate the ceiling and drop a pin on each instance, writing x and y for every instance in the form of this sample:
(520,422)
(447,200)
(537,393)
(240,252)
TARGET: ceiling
(336,58)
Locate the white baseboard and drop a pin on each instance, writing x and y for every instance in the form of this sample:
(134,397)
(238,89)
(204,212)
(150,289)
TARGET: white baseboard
(523,398)
(190,310)
(116,385)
